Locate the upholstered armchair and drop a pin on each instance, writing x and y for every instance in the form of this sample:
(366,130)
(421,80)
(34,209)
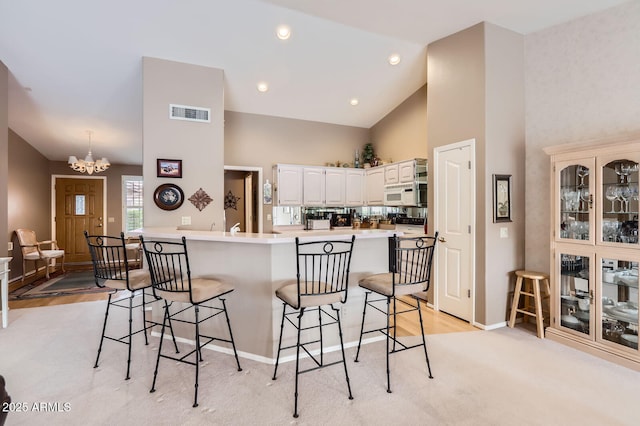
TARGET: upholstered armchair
(32,250)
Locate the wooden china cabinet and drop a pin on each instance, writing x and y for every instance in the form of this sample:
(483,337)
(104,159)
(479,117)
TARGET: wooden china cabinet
(594,248)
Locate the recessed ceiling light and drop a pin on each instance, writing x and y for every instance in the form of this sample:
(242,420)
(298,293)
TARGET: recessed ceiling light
(394,59)
(283,32)
(354,101)
(262,87)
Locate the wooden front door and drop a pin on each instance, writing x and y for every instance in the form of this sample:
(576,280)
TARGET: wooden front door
(79,207)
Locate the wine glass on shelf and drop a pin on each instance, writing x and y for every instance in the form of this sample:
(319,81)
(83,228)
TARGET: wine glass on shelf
(582,172)
(611,194)
(618,170)
(624,193)
(584,197)
(625,171)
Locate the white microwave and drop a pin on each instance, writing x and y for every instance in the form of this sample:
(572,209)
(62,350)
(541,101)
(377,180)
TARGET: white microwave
(405,194)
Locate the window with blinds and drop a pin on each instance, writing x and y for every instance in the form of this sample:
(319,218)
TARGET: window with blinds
(132,202)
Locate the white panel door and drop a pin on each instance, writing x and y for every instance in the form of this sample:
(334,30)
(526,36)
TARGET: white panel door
(334,186)
(313,186)
(455,203)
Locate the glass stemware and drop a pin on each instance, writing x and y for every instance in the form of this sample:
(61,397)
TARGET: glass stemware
(611,194)
(582,172)
(625,171)
(584,197)
(624,193)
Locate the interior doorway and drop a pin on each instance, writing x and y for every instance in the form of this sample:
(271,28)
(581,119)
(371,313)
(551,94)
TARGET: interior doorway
(243,198)
(455,196)
(78,204)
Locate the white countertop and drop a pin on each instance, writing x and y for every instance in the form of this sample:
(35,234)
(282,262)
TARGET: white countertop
(262,238)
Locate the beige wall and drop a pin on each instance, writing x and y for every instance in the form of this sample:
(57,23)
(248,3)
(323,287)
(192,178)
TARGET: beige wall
(263,141)
(456,112)
(582,82)
(4,157)
(29,194)
(402,134)
(200,146)
(504,154)
(476,91)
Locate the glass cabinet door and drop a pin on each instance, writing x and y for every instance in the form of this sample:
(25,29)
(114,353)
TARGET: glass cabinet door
(620,302)
(576,294)
(620,202)
(575,204)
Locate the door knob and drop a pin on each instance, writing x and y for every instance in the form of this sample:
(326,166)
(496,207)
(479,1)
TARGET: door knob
(99,225)
(442,240)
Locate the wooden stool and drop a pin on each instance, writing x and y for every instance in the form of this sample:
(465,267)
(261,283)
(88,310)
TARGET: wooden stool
(534,279)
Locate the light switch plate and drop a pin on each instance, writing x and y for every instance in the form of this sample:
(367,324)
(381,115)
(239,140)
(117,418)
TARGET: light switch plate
(186,220)
(111,219)
(10,244)
(504,232)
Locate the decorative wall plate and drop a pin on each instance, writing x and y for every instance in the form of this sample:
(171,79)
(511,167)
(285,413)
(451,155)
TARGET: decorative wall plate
(168,196)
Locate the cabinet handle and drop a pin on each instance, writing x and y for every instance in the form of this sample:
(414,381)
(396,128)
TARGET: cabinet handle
(442,240)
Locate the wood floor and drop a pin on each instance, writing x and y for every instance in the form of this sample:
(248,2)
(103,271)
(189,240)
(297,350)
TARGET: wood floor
(408,324)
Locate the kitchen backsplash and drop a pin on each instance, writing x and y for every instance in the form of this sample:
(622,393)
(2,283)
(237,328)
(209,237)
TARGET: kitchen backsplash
(283,215)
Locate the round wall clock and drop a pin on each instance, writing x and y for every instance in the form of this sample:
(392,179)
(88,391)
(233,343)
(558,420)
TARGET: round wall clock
(168,196)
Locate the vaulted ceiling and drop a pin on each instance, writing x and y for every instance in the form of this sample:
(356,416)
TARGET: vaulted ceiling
(75,65)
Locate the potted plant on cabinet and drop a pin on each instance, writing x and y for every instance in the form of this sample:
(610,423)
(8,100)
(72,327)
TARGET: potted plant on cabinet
(368,155)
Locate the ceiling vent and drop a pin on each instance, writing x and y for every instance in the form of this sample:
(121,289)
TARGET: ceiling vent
(189,113)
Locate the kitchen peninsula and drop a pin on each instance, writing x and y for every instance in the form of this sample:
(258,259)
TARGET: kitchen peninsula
(256,265)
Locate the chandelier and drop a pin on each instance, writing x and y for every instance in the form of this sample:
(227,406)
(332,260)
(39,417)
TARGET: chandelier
(88,165)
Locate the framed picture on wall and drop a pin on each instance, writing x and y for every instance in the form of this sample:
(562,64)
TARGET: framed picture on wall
(169,168)
(501,198)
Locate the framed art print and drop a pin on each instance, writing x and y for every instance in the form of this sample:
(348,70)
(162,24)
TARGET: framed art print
(501,198)
(169,168)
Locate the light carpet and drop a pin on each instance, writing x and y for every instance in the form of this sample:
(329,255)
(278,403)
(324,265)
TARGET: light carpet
(500,377)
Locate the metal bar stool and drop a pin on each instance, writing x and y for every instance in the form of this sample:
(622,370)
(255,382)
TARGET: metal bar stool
(171,280)
(530,291)
(410,260)
(322,280)
(111,269)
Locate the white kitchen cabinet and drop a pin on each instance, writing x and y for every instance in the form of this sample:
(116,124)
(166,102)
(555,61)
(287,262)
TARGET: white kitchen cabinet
(313,192)
(335,186)
(288,189)
(595,251)
(375,181)
(354,187)
(391,174)
(406,171)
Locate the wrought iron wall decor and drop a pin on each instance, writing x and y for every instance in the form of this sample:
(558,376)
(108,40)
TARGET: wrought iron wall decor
(200,199)
(231,201)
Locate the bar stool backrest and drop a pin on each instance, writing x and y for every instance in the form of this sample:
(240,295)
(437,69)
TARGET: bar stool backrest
(323,268)
(109,258)
(168,265)
(410,260)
